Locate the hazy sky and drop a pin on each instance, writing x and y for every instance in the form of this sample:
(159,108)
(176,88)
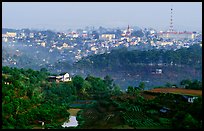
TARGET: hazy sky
(65,15)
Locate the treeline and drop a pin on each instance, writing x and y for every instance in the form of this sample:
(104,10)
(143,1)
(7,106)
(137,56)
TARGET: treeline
(124,59)
(191,84)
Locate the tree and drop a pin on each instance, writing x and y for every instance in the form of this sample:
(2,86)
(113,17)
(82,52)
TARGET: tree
(168,85)
(6,69)
(190,123)
(195,85)
(141,85)
(85,88)
(130,90)
(186,83)
(116,90)
(195,109)
(185,121)
(78,82)
(108,81)
(43,70)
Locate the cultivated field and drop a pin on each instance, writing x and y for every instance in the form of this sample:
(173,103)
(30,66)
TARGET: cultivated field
(177,91)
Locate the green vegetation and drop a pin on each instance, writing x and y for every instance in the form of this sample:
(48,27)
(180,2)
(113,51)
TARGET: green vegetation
(28,99)
(191,84)
(122,59)
(129,67)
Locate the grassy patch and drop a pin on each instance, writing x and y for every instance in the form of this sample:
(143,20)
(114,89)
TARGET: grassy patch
(73,111)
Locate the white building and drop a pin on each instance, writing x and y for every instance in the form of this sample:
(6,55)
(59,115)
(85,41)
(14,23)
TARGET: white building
(107,36)
(61,78)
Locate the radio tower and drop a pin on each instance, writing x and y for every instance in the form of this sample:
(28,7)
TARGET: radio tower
(171,21)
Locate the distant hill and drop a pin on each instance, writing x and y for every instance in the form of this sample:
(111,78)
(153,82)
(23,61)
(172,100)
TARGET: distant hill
(122,58)
(4,30)
(184,63)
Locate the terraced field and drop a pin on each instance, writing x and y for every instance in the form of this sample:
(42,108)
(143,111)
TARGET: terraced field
(137,119)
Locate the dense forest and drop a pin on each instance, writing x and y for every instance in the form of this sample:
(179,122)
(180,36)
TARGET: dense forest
(118,59)
(29,98)
(134,65)
(122,59)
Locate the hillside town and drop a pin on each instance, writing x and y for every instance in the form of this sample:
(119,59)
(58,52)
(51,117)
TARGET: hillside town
(73,45)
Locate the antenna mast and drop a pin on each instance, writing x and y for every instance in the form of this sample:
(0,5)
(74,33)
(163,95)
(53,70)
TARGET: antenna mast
(171,21)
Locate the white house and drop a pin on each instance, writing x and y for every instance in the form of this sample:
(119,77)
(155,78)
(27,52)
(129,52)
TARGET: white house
(190,99)
(158,71)
(61,78)
(66,77)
